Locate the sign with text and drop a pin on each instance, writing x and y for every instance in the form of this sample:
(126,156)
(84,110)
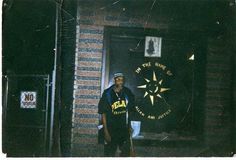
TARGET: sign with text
(28,99)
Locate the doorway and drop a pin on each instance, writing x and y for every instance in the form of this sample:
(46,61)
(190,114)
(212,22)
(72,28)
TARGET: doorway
(174,107)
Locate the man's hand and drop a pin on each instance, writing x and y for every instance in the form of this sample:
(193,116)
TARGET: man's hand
(106,133)
(107,136)
(130,130)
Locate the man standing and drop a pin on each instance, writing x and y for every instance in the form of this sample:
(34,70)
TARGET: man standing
(116,104)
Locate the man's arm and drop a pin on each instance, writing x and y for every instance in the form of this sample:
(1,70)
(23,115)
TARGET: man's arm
(102,109)
(106,133)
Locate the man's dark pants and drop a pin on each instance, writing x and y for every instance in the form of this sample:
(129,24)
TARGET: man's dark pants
(118,140)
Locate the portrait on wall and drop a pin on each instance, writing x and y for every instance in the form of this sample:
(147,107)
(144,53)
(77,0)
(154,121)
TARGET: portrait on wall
(152,46)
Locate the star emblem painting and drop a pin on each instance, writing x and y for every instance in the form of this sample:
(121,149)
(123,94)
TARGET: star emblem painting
(152,102)
(153,88)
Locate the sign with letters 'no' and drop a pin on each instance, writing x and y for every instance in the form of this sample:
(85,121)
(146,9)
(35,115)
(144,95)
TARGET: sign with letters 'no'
(28,99)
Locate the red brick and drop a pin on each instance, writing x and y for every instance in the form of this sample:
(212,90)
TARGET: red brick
(89,64)
(87,92)
(88,73)
(89,55)
(91,27)
(85,111)
(85,131)
(87,120)
(87,101)
(90,45)
(87,82)
(85,140)
(91,36)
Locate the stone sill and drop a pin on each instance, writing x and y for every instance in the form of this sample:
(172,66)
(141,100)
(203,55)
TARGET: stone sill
(166,139)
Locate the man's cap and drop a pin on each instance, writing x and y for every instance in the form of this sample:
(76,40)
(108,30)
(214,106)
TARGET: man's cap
(118,74)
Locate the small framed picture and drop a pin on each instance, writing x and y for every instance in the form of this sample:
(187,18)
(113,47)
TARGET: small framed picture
(152,46)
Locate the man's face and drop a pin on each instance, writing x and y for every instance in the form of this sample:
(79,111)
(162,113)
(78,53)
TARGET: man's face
(119,82)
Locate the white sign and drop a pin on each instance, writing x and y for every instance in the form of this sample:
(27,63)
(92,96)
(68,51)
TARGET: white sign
(153,46)
(28,99)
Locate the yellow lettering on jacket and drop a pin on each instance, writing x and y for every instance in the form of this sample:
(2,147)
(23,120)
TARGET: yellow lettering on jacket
(118,104)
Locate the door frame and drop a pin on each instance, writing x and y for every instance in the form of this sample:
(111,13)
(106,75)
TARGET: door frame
(140,33)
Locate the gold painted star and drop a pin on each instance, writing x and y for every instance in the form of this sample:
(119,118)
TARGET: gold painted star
(153,88)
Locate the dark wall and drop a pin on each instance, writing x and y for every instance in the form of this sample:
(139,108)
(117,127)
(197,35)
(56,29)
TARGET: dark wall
(28,48)
(28,36)
(68,34)
(29,29)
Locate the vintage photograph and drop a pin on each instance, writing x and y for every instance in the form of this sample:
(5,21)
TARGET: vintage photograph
(118,78)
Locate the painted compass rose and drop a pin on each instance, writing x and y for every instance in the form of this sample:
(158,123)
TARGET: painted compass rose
(153,88)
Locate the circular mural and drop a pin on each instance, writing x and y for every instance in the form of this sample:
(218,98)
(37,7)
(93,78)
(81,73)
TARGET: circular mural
(154,85)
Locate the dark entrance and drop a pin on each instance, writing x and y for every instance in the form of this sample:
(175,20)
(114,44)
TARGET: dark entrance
(169,89)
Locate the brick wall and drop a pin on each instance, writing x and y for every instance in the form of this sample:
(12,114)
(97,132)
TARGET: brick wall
(88,61)
(92,18)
